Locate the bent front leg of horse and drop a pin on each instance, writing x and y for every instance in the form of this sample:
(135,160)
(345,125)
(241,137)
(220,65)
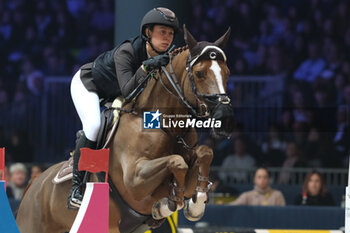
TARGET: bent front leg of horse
(198,181)
(144,177)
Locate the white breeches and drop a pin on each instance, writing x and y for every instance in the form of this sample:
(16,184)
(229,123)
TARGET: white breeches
(87,105)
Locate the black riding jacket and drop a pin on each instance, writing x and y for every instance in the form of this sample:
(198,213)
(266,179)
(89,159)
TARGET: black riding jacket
(117,72)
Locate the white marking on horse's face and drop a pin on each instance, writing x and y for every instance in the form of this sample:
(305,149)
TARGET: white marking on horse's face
(217,72)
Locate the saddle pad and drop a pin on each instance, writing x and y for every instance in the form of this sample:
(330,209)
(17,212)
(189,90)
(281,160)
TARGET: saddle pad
(66,171)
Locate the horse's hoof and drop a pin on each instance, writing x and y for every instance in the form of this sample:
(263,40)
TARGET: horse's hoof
(179,207)
(161,209)
(194,211)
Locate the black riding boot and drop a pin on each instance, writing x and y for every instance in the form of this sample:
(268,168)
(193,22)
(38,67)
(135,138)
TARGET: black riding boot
(76,194)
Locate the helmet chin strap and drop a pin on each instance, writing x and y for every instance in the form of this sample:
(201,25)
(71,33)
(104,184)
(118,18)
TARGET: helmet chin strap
(150,43)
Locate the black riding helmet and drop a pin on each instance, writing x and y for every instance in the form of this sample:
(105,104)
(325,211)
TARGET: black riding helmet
(159,15)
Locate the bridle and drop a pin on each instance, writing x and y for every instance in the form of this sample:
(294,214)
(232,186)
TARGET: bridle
(203,100)
(204,112)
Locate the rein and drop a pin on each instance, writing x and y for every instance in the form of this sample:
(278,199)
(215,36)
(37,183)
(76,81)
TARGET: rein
(175,84)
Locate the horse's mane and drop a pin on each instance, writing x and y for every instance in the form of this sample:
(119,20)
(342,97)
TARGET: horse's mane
(177,51)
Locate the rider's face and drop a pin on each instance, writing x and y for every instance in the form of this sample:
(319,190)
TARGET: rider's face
(161,37)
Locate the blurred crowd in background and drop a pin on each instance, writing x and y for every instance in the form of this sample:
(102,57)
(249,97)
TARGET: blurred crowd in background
(43,38)
(307,41)
(313,191)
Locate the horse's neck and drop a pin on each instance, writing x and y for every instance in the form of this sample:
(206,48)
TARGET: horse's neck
(155,96)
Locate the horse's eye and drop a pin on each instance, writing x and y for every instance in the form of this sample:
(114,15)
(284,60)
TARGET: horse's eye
(200,74)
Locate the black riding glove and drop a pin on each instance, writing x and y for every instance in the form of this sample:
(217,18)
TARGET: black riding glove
(156,62)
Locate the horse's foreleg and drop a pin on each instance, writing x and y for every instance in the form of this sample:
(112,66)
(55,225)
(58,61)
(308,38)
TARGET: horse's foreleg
(149,174)
(195,206)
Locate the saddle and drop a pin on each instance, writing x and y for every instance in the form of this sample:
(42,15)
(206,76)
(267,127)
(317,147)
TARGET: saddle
(109,124)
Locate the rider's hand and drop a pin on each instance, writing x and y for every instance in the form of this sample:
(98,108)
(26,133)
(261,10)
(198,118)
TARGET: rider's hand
(156,62)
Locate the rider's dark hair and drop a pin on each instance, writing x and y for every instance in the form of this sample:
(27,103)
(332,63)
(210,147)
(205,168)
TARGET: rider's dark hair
(150,27)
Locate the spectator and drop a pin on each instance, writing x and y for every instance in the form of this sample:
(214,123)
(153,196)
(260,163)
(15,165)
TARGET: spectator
(262,194)
(274,147)
(300,112)
(324,116)
(240,67)
(309,70)
(36,171)
(18,176)
(300,133)
(333,57)
(19,106)
(286,123)
(5,25)
(31,78)
(298,51)
(259,60)
(293,159)
(4,175)
(313,148)
(91,51)
(239,160)
(277,61)
(265,37)
(314,191)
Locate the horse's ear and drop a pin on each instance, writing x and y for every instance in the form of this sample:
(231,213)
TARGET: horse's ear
(190,40)
(221,42)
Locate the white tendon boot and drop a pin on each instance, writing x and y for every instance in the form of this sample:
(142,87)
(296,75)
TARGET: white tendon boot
(161,209)
(193,211)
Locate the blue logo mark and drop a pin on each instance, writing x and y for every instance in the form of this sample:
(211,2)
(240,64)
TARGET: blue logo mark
(151,120)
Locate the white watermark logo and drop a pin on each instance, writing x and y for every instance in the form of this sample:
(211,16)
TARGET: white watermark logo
(157,120)
(151,120)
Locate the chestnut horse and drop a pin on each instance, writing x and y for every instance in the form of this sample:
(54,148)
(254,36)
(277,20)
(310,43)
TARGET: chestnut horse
(155,171)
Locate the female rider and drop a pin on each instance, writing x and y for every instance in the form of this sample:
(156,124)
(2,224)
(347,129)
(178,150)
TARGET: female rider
(116,73)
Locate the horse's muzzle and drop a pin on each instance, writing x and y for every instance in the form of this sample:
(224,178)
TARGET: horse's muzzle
(224,113)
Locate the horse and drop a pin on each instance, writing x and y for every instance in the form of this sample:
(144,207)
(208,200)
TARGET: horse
(158,171)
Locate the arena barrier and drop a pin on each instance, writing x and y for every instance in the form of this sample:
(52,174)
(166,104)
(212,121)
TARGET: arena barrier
(269,217)
(235,230)
(95,204)
(297,231)
(7,220)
